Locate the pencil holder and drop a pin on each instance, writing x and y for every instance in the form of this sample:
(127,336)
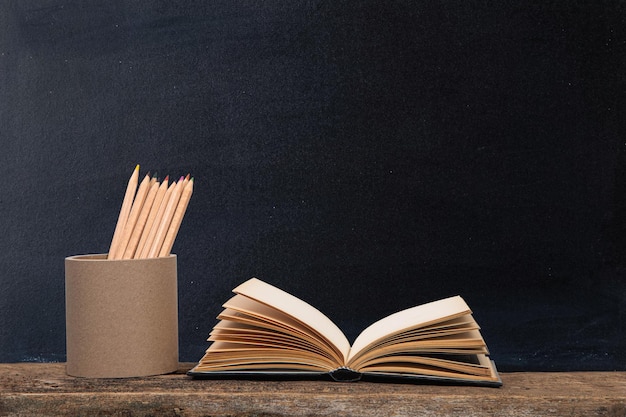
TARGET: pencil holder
(121,316)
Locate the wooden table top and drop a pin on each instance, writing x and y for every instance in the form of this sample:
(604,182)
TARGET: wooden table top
(36,389)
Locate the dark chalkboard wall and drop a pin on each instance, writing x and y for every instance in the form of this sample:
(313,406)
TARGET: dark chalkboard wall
(365,156)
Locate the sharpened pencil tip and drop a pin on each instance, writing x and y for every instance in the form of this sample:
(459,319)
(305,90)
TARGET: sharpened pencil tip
(137,167)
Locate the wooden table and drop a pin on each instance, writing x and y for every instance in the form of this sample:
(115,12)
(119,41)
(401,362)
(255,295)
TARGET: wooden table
(35,389)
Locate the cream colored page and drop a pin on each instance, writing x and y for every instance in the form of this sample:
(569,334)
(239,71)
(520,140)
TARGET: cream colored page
(295,307)
(406,319)
(264,313)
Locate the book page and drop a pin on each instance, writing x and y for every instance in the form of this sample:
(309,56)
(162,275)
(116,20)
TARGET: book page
(258,314)
(425,365)
(226,356)
(414,317)
(243,314)
(298,309)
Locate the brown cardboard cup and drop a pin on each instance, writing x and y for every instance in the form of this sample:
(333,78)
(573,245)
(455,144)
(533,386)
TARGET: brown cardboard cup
(121,316)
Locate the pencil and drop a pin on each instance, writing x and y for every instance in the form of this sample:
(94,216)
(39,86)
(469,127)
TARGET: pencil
(155,221)
(177,219)
(132,218)
(166,219)
(124,211)
(133,242)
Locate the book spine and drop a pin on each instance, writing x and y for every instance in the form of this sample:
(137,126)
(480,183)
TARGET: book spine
(345,374)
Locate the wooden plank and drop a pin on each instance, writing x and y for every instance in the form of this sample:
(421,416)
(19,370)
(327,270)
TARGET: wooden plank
(33,389)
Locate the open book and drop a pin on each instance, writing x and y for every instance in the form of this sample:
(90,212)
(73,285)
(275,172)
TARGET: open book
(264,331)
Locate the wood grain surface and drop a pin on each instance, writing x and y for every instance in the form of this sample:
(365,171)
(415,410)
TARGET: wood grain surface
(35,389)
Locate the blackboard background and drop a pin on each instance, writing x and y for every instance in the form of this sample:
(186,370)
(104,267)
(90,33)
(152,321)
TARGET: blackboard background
(365,156)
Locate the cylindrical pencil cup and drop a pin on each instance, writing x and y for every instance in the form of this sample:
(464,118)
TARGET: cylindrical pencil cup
(121,316)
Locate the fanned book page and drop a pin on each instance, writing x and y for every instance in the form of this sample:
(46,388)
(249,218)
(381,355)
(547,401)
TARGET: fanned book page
(265,331)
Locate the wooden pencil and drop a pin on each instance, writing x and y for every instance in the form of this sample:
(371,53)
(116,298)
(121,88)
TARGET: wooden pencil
(181,208)
(156,204)
(166,218)
(154,226)
(135,210)
(124,211)
(133,242)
